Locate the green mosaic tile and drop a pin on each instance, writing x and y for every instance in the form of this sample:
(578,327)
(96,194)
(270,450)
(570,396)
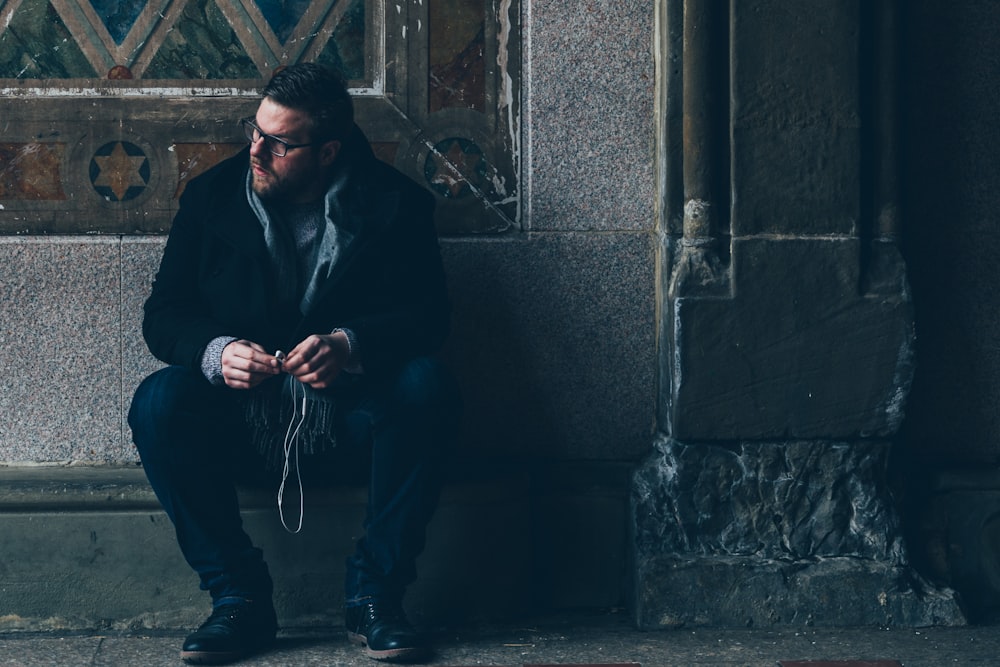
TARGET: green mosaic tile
(282,15)
(201,46)
(118,16)
(345,51)
(37,45)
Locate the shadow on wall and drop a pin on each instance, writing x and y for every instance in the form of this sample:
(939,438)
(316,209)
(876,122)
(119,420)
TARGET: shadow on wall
(947,459)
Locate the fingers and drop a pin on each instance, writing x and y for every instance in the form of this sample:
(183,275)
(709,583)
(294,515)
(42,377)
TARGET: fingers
(246,364)
(316,361)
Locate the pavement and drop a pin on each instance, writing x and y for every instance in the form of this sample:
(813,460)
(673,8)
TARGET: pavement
(567,640)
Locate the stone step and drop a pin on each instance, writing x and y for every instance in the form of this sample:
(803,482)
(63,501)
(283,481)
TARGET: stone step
(90,548)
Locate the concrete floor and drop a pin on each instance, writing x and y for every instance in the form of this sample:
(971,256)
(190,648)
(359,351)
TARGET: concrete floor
(570,640)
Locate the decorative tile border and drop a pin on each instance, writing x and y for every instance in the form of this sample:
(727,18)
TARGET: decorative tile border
(110,108)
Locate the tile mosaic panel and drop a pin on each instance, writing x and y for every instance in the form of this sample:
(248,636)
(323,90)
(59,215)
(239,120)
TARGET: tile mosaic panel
(109,107)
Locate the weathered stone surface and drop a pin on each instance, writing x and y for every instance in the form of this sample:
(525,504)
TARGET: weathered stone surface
(794,500)
(797,350)
(798,180)
(732,591)
(796,145)
(774,533)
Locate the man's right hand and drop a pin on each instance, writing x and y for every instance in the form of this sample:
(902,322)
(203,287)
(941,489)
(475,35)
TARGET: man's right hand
(245,364)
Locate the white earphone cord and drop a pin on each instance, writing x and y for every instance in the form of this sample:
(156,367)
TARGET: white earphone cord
(292,442)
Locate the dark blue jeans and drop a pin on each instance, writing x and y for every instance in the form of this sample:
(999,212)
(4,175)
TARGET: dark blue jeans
(195,448)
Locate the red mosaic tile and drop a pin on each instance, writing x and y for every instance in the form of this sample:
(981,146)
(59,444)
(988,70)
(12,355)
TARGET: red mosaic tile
(31,171)
(193,159)
(457,50)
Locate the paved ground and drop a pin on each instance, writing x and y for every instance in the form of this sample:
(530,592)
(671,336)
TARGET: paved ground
(565,641)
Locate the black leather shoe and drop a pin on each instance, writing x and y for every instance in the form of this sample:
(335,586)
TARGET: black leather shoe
(233,631)
(384,632)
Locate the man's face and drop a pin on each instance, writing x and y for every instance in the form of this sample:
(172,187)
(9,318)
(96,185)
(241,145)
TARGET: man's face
(299,176)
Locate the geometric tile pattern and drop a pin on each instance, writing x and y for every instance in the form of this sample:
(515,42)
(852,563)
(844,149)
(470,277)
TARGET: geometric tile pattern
(177,39)
(109,107)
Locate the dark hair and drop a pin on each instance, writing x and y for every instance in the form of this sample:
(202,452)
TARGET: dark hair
(317,91)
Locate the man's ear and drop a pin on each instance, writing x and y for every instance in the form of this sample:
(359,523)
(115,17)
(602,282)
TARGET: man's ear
(328,152)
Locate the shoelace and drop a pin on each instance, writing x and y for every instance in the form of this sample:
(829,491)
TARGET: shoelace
(292,443)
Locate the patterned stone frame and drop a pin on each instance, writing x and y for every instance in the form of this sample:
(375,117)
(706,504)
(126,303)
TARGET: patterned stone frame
(105,115)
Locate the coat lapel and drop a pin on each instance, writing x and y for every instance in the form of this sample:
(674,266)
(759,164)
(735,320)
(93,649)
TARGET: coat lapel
(236,223)
(368,218)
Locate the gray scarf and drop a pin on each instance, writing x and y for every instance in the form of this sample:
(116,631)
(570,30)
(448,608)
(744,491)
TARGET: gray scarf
(283,412)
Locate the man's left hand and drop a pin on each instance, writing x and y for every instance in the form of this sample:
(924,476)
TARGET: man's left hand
(318,360)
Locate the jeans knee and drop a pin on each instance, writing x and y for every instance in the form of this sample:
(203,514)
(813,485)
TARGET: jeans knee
(163,399)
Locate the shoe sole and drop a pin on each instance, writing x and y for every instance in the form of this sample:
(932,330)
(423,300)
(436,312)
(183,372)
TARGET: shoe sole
(210,658)
(221,657)
(389,655)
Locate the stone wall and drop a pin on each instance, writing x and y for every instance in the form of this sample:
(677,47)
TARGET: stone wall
(786,339)
(553,336)
(683,325)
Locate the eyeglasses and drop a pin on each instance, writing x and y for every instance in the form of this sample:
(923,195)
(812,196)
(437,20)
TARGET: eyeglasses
(272,143)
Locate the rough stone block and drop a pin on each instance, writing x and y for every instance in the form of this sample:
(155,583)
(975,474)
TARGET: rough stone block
(781,501)
(798,351)
(796,180)
(741,592)
(774,534)
(796,99)
(795,63)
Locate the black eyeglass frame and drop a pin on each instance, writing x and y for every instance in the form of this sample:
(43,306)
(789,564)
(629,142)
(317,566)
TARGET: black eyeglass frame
(271,142)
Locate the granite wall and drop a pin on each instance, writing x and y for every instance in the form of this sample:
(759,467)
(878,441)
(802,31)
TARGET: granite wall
(554,318)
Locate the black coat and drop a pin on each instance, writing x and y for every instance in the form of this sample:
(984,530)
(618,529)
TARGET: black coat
(215,278)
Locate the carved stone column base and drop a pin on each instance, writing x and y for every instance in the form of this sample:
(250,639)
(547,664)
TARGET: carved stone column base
(734,591)
(761,534)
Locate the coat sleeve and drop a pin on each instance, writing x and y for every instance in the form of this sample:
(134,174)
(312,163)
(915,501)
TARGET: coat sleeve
(176,323)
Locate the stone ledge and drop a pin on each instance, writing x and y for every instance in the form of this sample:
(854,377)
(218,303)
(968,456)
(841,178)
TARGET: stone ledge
(74,488)
(91,550)
(112,488)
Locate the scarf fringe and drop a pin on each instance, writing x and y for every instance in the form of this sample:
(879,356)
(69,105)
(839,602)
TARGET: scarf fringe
(277,404)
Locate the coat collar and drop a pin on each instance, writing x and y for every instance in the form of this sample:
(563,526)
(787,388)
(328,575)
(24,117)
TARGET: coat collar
(367,207)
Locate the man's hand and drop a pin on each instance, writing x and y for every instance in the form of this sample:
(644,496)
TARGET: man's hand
(318,360)
(246,364)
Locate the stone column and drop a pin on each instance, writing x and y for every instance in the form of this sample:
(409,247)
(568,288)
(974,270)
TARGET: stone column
(787,334)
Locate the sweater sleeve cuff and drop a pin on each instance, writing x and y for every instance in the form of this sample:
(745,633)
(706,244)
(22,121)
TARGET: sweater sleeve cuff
(211,359)
(354,358)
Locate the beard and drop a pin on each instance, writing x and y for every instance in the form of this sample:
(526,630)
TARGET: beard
(267,186)
(303,183)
